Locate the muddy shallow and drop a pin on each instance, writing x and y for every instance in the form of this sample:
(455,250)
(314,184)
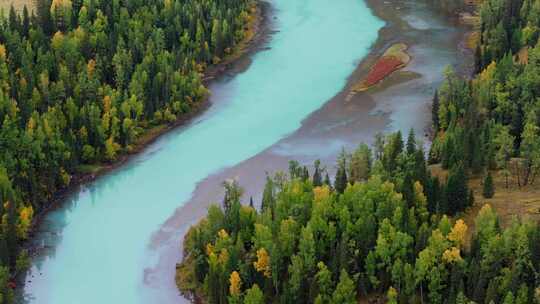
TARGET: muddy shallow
(401,102)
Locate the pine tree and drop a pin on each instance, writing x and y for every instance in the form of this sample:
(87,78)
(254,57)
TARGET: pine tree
(317,178)
(305,174)
(340,182)
(407,190)
(457,190)
(411,143)
(25,21)
(488,189)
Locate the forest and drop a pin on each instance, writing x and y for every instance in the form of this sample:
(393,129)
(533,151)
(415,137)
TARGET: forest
(385,227)
(82,80)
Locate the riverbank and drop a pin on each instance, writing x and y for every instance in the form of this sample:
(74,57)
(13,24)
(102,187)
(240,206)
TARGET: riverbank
(257,32)
(399,102)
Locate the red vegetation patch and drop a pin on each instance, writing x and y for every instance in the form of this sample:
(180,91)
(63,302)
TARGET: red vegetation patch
(384,67)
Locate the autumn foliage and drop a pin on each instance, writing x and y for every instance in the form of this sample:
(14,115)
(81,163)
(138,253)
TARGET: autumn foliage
(393,59)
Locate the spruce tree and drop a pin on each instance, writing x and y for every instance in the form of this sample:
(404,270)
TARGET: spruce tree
(340,182)
(407,189)
(457,190)
(317,178)
(488,189)
(411,142)
(305,174)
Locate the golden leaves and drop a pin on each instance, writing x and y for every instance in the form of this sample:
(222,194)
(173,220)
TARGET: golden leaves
(209,249)
(3,52)
(488,73)
(263,262)
(458,233)
(223,256)
(452,255)
(90,68)
(223,234)
(57,40)
(25,220)
(107,104)
(236,283)
(321,193)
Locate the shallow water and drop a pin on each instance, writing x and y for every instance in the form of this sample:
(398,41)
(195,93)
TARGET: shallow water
(96,245)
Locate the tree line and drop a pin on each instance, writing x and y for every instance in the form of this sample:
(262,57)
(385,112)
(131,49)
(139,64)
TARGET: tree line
(81,80)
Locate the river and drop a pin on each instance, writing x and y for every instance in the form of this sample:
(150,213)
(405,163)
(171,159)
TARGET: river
(96,244)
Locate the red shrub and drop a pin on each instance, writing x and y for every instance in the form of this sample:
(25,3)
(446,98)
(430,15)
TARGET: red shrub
(384,67)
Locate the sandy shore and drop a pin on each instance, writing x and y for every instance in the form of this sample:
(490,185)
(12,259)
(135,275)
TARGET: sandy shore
(400,102)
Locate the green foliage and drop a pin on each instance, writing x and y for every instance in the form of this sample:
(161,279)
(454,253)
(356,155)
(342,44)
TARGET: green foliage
(345,290)
(492,121)
(254,295)
(316,245)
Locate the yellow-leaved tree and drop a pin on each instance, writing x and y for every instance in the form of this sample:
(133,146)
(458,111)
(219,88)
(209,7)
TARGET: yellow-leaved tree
(25,220)
(263,262)
(236,284)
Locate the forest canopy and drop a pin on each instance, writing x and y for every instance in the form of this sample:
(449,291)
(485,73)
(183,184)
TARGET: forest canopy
(384,233)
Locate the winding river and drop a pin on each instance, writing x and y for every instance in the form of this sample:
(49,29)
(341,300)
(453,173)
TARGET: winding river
(96,243)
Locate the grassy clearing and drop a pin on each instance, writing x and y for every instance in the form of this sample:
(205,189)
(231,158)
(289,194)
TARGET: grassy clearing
(523,202)
(513,201)
(18,4)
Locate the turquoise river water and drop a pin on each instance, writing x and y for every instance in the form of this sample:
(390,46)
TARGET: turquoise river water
(96,244)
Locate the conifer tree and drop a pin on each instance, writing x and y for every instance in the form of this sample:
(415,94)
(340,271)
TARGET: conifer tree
(488,187)
(457,190)
(411,142)
(317,178)
(340,182)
